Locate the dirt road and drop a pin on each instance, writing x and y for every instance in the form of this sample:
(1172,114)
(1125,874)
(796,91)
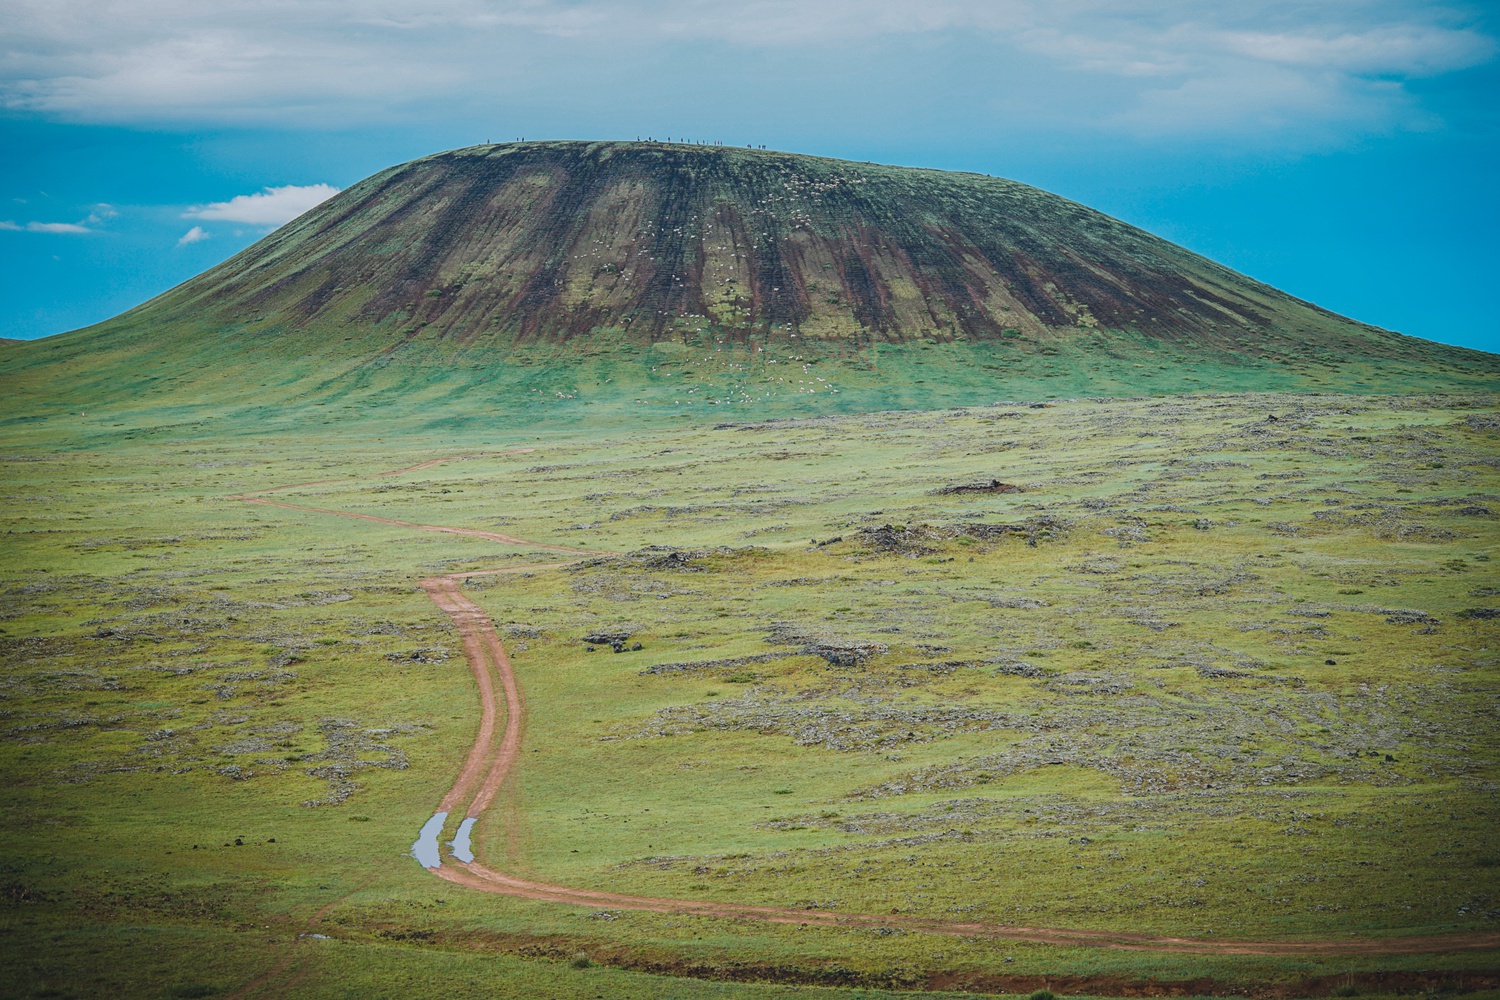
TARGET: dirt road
(494,753)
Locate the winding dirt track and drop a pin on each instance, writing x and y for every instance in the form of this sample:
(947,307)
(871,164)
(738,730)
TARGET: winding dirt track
(494,753)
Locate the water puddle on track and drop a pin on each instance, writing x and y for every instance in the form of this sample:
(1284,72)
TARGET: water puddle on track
(462,849)
(425,850)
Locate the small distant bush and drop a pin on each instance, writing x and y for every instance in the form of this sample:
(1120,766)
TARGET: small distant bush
(581,960)
(1347,990)
(1042,995)
(744,677)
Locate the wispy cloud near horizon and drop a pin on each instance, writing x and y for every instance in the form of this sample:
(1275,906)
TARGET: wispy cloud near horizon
(43,227)
(273,206)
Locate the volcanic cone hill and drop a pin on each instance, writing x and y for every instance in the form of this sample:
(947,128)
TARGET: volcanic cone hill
(557,241)
(570,270)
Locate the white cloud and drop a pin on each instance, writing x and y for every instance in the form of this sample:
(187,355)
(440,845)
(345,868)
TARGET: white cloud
(44,227)
(1110,64)
(1411,50)
(271,207)
(194,235)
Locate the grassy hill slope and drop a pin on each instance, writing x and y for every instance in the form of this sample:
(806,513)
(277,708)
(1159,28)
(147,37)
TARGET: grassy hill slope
(532,281)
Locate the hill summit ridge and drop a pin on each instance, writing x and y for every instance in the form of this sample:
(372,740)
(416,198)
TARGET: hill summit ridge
(556,240)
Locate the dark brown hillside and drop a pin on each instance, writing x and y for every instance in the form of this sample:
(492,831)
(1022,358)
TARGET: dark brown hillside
(554,241)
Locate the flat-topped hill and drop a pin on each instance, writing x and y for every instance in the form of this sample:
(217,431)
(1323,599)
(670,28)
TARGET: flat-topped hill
(557,240)
(558,268)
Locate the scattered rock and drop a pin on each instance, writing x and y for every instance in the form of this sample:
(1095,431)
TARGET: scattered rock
(845,653)
(920,539)
(1407,617)
(418,656)
(673,560)
(348,745)
(887,538)
(1213,673)
(1017,668)
(993,486)
(1091,684)
(731,663)
(1128,533)
(1019,603)
(516,631)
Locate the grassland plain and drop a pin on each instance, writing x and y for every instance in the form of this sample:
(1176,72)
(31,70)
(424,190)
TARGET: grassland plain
(1222,668)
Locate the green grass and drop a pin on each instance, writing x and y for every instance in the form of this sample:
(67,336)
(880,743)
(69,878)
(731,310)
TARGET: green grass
(186,381)
(1131,724)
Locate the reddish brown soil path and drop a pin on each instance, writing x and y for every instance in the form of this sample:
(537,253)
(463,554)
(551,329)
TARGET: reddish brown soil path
(494,754)
(488,660)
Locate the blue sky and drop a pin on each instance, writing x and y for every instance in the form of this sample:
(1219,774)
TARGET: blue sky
(1344,151)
